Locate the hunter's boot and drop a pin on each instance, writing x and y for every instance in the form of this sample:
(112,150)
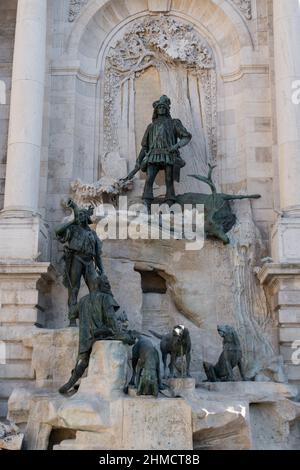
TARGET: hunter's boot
(77,373)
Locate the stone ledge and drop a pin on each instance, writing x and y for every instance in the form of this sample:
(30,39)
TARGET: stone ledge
(22,268)
(17,332)
(253,392)
(271,271)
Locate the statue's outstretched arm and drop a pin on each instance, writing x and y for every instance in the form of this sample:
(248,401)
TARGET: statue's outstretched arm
(73,206)
(137,166)
(61,230)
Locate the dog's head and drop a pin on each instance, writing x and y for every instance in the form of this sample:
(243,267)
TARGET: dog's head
(178,331)
(228,334)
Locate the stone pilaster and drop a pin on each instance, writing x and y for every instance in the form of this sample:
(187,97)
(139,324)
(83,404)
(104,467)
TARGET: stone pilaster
(282,278)
(286,233)
(282,284)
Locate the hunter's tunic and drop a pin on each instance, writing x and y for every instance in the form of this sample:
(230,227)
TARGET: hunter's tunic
(159,137)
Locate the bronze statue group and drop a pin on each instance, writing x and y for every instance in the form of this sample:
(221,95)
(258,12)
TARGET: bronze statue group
(97,315)
(97,312)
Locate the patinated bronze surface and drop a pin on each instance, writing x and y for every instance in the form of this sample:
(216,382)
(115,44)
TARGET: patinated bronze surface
(160,150)
(146,368)
(97,321)
(219,218)
(230,358)
(175,344)
(82,253)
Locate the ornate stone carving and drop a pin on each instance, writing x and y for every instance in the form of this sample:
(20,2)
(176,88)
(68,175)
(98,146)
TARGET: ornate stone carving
(165,43)
(175,40)
(245,7)
(75,8)
(105,190)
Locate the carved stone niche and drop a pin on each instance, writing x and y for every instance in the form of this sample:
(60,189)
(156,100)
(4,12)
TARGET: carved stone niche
(185,67)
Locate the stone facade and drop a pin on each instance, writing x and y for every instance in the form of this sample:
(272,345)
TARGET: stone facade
(77,80)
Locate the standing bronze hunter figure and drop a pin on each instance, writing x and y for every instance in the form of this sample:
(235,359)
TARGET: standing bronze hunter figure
(82,253)
(160,150)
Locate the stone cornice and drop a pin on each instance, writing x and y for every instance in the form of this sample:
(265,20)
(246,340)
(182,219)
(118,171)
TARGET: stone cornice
(244,70)
(23,269)
(272,271)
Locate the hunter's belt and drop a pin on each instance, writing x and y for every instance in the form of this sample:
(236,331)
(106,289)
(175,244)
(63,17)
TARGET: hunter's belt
(162,150)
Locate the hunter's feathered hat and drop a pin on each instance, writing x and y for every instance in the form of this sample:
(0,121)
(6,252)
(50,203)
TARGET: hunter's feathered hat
(163,101)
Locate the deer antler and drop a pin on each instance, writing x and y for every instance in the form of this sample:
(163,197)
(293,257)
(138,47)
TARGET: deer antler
(208,180)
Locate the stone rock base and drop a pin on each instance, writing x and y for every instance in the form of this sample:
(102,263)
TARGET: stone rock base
(133,423)
(100,416)
(253,392)
(216,416)
(126,423)
(10,437)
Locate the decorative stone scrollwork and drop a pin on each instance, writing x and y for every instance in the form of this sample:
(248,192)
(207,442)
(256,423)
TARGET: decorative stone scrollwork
(245,7)
(104,190)
(167,44)
(75,8)
(176,41)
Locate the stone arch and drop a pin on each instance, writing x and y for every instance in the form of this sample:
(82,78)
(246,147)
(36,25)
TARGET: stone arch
(220,23)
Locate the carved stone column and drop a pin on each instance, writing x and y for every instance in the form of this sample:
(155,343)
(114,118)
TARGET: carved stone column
(19,222)
(21,228)
(286,235)
(282,278)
